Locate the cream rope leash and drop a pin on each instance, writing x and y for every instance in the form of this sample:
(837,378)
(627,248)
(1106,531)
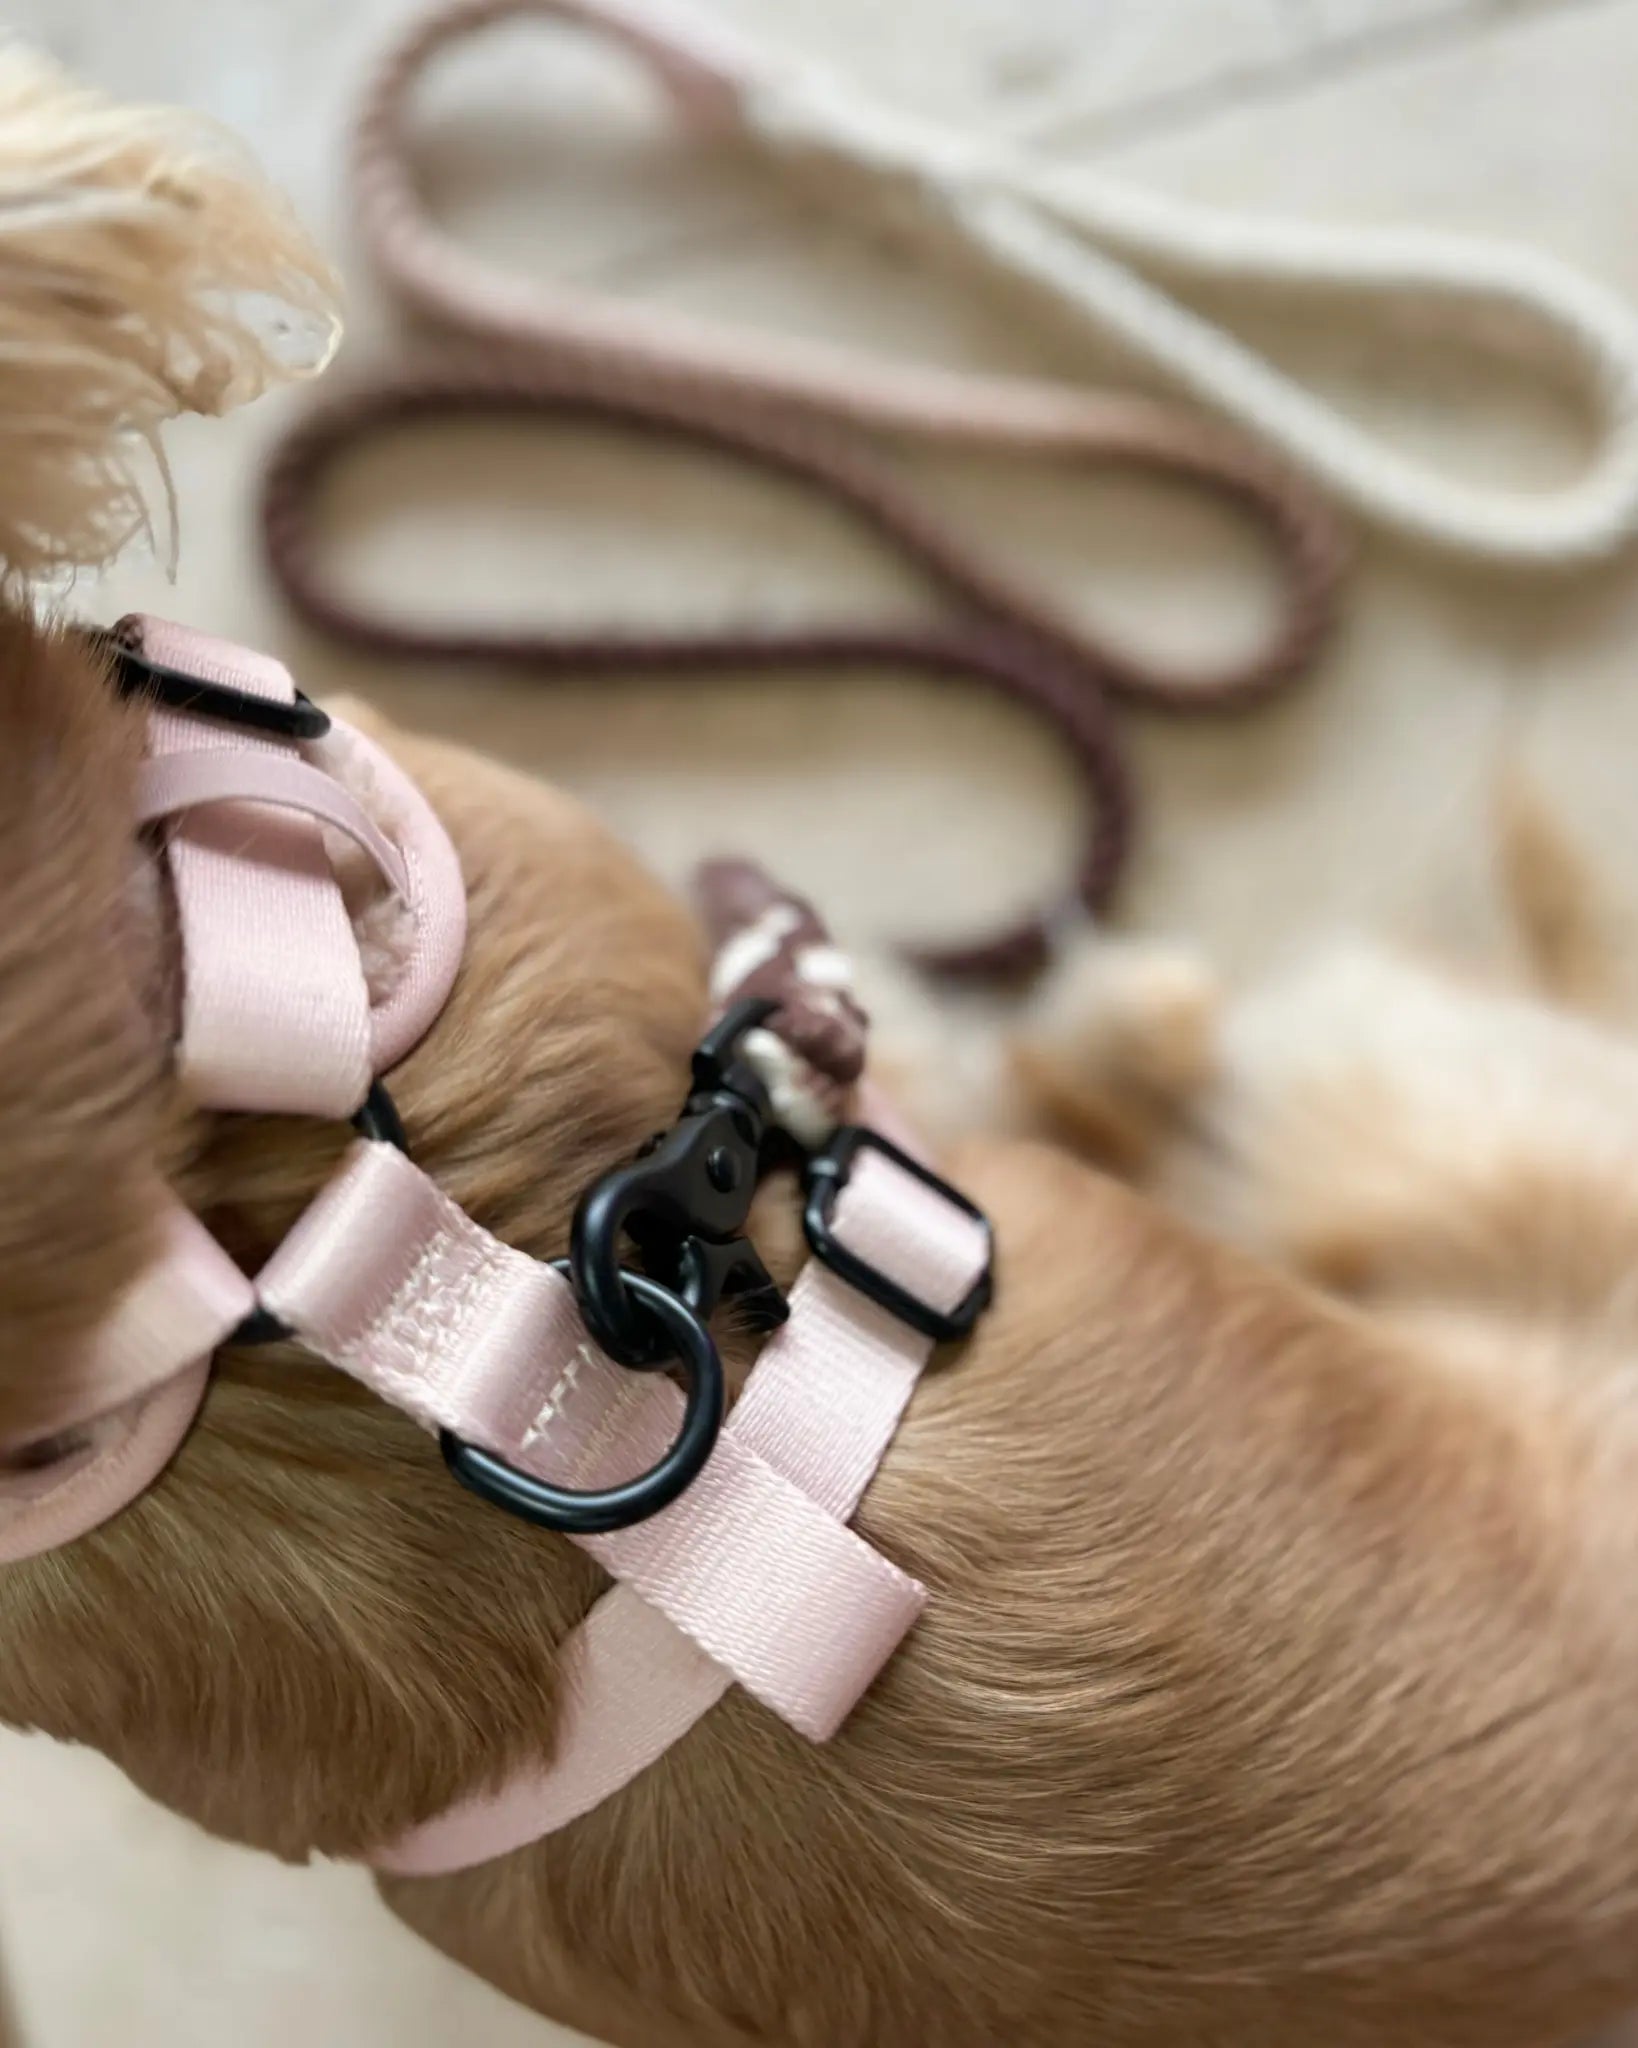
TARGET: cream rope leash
(1109,258)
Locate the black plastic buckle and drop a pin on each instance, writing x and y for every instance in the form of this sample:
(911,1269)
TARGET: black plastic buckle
(137,676)
(683,1202)
(828,1173)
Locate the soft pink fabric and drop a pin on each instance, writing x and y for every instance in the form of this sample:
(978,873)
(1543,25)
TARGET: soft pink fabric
(185,782)
(148,1370)
(831,1385)
(632,1687)
(430,957)
(275,1014)
(418,859)
(178,1309)
(130,1449)
(390,1280)
(821,1408)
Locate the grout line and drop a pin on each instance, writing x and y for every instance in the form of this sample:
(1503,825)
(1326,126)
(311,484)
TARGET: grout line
(1237,89)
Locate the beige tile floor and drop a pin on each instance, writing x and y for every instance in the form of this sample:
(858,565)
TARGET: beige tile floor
(1361,800)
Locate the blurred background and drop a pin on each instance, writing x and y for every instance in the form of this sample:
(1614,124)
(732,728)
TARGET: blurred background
(1359,798)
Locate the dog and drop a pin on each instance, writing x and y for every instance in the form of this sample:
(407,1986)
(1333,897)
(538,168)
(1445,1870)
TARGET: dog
(1271,1689)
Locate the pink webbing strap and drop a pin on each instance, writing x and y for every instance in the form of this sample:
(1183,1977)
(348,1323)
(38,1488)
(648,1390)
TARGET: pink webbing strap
(391,1281)
(821,1408)
(150,1360)
(275,1013)
(185,782)
(178,1308)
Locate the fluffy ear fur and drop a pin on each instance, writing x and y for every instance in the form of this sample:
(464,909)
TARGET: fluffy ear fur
(146,270)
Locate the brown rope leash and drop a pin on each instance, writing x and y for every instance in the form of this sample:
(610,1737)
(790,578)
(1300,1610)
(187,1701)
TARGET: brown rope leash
(565,356)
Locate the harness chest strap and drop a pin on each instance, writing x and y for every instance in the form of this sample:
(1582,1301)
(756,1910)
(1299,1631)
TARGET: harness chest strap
(387,1278)
(752,1575)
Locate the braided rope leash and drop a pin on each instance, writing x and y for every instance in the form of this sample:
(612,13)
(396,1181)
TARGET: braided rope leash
(1087,241)
(799,411)
(990,641)
(1096,248)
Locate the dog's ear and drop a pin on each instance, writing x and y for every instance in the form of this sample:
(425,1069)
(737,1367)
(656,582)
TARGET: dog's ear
(81,1052)
(146,270)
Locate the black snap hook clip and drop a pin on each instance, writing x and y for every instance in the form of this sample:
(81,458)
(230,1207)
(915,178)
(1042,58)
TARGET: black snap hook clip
(683,1203)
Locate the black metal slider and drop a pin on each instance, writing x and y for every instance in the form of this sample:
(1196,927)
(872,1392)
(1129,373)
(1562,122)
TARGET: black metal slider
(683,1202)
(137,676)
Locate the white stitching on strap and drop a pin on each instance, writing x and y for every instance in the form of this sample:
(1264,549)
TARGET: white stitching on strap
(552,1407)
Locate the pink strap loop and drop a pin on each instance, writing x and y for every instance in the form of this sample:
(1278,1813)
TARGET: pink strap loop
(833,1382)
(151,1360)
(183,782)
(436,894)
(275,1012)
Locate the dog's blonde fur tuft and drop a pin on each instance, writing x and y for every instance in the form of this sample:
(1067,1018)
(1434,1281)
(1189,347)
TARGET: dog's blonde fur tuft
(146,270)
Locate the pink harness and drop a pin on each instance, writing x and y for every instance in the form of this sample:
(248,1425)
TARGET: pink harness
(306,976)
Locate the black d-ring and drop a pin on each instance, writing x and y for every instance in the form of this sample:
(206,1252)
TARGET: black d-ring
(634,1500)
